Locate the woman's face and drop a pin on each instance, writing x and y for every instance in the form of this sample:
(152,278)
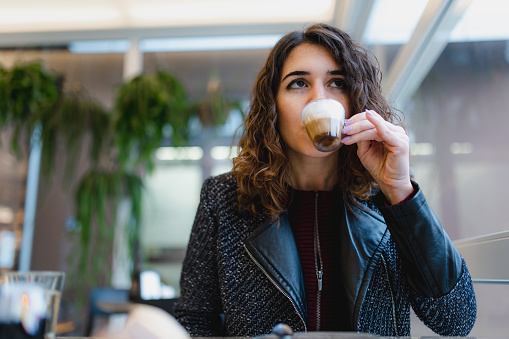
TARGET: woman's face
(309,73)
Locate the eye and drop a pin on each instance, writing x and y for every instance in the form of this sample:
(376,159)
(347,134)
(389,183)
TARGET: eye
(338,83)
(297,83)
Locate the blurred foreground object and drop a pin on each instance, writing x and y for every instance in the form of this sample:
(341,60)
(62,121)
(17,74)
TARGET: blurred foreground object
(52,285)
(283,331)
(22,311)
(149,322)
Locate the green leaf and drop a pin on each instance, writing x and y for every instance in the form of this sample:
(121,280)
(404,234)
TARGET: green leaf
(143,107)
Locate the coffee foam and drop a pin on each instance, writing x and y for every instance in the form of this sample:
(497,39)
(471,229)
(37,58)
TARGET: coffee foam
(323,108)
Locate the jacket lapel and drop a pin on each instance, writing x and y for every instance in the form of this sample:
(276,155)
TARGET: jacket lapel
(272,246)
(362,235)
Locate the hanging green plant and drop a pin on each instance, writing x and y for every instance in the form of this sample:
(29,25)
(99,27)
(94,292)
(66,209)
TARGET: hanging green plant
(143,107)
(214,108)
(28,90)
(96,200)
(3,95)
(75,116)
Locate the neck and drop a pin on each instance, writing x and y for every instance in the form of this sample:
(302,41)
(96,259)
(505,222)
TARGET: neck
(313,174)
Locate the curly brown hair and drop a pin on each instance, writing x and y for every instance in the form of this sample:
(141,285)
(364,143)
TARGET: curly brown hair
(261,166)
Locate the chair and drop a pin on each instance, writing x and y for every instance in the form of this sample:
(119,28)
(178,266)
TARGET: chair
(104,302)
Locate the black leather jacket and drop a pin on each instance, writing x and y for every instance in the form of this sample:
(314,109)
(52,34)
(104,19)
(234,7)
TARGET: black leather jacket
(393,257)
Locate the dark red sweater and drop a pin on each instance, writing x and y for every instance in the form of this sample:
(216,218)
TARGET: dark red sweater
(301,213)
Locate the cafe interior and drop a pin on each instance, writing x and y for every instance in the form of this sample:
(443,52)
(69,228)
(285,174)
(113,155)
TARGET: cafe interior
(113,208)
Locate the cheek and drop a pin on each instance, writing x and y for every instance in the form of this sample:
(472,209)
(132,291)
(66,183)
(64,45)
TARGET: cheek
(288,114)
(348,113)
(291,128)
(290,120)
(285,123)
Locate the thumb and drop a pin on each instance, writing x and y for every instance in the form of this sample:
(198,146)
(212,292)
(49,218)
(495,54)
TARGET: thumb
(363,147)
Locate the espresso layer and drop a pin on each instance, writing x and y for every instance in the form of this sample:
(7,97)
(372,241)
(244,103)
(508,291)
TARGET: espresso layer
(325,133)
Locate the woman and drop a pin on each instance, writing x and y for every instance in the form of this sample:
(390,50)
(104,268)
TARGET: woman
(321,241)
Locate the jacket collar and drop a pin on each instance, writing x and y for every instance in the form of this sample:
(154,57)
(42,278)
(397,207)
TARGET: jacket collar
(272,246)
(363,233)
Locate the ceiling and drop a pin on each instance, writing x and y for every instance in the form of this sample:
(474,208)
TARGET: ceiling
(57,21)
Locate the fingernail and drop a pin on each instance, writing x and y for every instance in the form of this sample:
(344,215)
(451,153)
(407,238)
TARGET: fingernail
(349,122)
(345,139)
(347,129)
(370,113)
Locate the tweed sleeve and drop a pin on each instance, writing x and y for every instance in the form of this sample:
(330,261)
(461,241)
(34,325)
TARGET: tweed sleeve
(453,314)
(199,306)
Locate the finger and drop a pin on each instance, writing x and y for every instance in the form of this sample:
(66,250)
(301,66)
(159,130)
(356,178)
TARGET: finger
(356,118)
(366,135)
(386,132)
(363,147)
(398,140)
(357,127)
(363,116)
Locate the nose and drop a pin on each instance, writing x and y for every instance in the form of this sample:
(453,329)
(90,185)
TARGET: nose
(318,91)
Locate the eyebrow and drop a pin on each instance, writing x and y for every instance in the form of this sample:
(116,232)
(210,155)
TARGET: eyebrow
(295,73)
(334,72)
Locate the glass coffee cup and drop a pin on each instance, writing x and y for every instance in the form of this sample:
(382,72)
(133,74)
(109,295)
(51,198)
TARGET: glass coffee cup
(324,120)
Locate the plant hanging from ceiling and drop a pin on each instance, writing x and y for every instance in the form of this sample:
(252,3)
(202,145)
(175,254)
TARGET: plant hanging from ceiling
(214,108)
(75,117)
(98,196)
(27,92)
(143,107)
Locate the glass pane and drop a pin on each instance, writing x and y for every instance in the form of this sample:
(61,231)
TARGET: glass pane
(390,26)
(483,21)
(457,120)
(393,21)
(172,194)
(170,200)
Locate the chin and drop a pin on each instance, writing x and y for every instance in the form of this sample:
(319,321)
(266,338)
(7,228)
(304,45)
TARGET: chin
(315,153)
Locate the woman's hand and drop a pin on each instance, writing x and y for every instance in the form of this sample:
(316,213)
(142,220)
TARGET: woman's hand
(384,150)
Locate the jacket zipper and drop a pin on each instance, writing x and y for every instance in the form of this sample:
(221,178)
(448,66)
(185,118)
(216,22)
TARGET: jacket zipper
(393,304)
(318,266)
(276,285)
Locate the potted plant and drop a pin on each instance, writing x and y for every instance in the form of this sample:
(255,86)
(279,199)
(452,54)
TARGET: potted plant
(214,108)
(27,91)
(144,106)
(73,118)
